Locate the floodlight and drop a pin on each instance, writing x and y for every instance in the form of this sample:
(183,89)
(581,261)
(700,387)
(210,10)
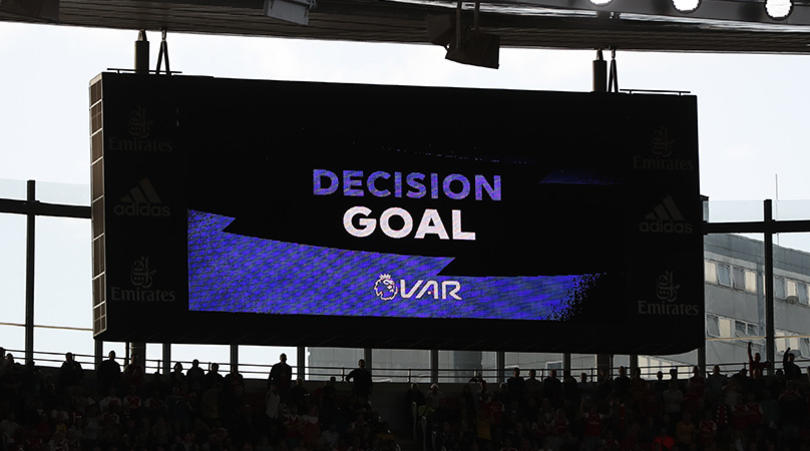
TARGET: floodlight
(686,6)
(295,11)
(37,9)
(778,9)
(600,2)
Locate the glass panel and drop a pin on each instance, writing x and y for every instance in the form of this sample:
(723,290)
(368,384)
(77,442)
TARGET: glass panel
(583,364)
(791,288)
(734,210)
(724,274)
(739,329)
(50,346)
(13,189)
(750,281)
(255,361)
(805,347)
(710,270)
(460,366)
(740,312)
(154,357)
(206,354)
(802,293)
(791,209)
(712,326)
(738,278)
(778,287)
(401,365)
(63,283)
(13,341)
(753,330)
(63,193)
(12,271)
(725,327)
(326,362)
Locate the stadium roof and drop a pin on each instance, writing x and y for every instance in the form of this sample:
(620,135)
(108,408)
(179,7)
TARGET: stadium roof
(714,26)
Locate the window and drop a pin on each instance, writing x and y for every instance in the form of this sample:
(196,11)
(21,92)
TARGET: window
(802,287)
(753,330)
(737,278)
(739,329)
(804,348)
(750,281)
(781,343)
(779,287)
(724,274)
(712,326)
(791,288)
(725,327)
(710,270)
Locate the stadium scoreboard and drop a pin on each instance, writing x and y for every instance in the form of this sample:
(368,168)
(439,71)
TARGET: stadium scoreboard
(321,214)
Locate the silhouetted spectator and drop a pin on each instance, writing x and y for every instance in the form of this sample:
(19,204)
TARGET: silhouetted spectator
(195,376)
(570,389)
(621,385)
(534,388)
(516,385)
(361,379)
(109,373)
(477,383)
(552,388)
(281,376)
(792,371)
(213,378)
(177,378)
(70,373)
(756,367)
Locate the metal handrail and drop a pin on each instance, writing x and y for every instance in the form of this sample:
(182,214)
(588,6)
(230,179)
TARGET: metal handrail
(409,374)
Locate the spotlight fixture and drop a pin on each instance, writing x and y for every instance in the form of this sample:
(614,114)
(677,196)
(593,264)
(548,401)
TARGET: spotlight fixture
(37,9)
(600,2)
(295,11)
(778,9)
(686,6)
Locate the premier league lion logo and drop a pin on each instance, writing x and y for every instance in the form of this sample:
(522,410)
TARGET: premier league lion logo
(385,288)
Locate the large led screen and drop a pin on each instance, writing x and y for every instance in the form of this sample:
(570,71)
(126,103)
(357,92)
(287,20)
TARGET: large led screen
(358,214)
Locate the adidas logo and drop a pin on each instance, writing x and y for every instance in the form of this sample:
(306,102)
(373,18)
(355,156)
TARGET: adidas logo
(665,218)
(142,201)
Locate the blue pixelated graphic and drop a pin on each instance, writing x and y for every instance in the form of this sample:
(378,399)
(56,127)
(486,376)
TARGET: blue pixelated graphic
(235,273)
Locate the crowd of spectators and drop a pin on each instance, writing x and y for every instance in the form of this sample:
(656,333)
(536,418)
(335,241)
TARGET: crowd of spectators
(738,412)
(69,409)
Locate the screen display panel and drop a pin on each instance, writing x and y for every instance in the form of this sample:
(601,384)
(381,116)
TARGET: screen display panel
(283,204)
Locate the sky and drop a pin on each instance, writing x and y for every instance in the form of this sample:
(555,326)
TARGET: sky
(751,113)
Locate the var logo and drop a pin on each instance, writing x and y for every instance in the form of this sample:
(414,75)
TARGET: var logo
(387,289)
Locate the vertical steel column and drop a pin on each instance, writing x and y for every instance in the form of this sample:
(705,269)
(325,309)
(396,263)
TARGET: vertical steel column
(567,363)
(137,351)
(301,362)
(167,358)
(367,356)
(702,358)
(633,364)
(98,354)
(29,272)
(142,53)
(769,326)
(600,79)
(434,366)
(600,84)
(234,358)
(500,366)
